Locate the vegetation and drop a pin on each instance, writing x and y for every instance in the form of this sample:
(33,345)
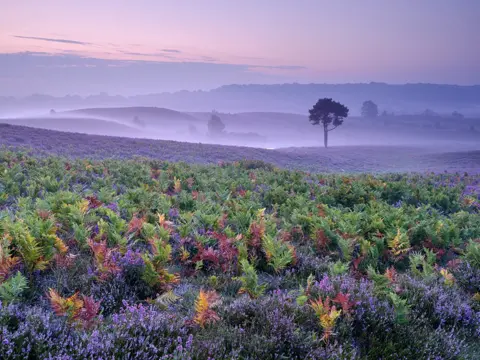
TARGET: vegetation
(329,114)
(149,259)
(215,125)
(369,109)
(458,116)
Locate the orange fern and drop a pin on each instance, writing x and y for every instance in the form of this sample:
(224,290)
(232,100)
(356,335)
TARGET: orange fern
(135,225)
(103,257)
(327,316)
(43,214)
(447,276)
(93,202)
(190,182)
(60,245)
(7,262)
(167,279)
(165,223)
(81,311)
(203,308)
(177,187)
(256,233)
(64,261)
(184,254)
(222,221)
(345,302)
(321,240)
(391,274)
(70,307)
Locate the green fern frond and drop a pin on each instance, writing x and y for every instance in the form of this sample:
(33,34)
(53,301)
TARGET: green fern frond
(11,289)
(381,282)
(28,248)
(401,308)
(279,255)
(165,300)
(472,254)
(339,268)
(150,275)
(249,280)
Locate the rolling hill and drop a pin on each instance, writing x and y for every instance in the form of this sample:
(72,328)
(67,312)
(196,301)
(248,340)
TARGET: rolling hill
(153,116)
(78,125)
(335,159)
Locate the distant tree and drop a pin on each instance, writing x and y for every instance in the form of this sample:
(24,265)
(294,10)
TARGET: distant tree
(215,125)
(384,113)
(329,114)
(369,109)
(139,122)
(457,116)
(52,112)
(429,113)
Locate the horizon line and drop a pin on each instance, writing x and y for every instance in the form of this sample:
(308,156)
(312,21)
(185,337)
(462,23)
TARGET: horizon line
(245,85)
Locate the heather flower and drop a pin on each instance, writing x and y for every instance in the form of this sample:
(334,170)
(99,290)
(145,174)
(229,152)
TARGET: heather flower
(325,286)
(113,207)
(173,213)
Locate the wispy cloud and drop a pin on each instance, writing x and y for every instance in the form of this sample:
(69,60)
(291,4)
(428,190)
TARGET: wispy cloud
(63,41)
(146,54)
(171,51)
(79,73)
(280,67)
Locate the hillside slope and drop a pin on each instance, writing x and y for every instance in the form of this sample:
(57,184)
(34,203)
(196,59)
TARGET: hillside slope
(335,159)
(150,115)
(84,125)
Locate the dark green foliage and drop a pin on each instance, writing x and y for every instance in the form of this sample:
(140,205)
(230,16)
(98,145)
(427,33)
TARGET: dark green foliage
(397,254)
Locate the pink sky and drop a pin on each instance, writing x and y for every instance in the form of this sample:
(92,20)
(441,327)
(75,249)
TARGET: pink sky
(308,40)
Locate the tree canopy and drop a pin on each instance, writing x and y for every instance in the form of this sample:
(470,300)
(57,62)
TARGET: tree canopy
(329,113)
(215,124)
(369,109)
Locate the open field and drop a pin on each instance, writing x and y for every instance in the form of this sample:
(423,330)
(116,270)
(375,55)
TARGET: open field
(447,157)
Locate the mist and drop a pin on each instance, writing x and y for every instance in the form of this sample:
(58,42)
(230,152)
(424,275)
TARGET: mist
(268,130)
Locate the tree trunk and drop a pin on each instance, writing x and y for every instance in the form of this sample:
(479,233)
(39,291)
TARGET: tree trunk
(325,137)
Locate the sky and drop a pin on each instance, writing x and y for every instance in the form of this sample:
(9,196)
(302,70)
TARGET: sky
(131,47)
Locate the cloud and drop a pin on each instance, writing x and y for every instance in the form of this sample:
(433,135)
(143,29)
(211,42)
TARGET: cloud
(279,67)
(148,54)
(60,74)
(171,51)
(63,41)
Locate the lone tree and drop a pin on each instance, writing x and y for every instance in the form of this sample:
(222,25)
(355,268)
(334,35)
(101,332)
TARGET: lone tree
(215,125)
(369,109)
(330,114)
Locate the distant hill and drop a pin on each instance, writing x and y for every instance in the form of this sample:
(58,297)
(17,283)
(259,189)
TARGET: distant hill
(257,129)
(293,98)
(150,115)
(77,125)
